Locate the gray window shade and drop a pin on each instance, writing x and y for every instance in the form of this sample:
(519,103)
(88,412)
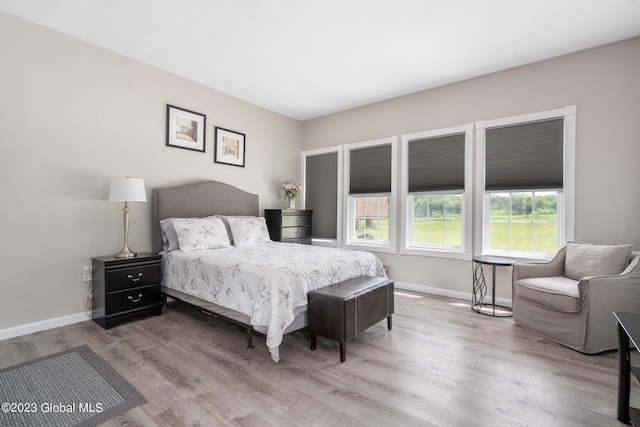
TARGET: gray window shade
(525,156)
(321,193)
(436,164)
(370,170)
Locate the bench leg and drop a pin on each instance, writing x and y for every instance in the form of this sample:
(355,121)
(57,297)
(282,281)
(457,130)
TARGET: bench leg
(314,340)
(389,322)
(343,351)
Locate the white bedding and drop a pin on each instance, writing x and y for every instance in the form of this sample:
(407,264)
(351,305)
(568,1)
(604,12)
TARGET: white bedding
(268,281)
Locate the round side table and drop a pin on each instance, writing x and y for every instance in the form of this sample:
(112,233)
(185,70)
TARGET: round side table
(480,285)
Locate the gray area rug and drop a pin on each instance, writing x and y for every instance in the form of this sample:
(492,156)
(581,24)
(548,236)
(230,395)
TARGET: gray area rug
(73,387)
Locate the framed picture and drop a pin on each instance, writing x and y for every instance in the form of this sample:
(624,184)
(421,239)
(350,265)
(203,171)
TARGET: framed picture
(229,148)
(185,129)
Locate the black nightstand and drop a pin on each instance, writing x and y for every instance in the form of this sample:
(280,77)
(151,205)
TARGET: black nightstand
(290,225)
(125,288)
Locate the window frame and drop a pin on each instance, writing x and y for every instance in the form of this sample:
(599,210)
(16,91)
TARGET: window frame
(349,203)
(338,241)
(566,195)
(465,252)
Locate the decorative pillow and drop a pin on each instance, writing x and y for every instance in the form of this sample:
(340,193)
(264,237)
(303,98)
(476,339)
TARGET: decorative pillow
(169,236)
(226,223)
(196,234)
(248,231)
(595,260)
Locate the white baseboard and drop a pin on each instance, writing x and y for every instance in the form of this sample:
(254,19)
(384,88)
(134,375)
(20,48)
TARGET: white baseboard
(43,325)
(30,328)
(447,293)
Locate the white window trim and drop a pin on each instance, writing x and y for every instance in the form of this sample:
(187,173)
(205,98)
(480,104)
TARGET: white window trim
(467,199)
(337,242)
(567,220)
(348,212)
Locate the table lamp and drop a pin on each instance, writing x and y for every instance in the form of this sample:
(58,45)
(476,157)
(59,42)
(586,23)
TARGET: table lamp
(126,190)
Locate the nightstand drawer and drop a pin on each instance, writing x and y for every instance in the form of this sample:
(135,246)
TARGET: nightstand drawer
(133,299)
(296,220)
(295,232)
(126,278)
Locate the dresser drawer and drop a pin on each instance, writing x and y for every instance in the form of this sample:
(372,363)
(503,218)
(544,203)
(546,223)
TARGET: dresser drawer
(132,299)
(296,220)
(295,232)
(130,277)
(300,241)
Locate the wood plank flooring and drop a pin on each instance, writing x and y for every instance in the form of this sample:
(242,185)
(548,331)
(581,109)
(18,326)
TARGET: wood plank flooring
(441,365)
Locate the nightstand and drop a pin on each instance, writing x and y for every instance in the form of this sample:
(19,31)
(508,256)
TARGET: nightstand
(290,225)
(125,288)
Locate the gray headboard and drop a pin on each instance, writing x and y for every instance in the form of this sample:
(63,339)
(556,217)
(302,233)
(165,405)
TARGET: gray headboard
(198,200)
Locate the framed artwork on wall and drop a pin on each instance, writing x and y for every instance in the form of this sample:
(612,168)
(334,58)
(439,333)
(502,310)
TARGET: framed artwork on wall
(185,129)
(229,147)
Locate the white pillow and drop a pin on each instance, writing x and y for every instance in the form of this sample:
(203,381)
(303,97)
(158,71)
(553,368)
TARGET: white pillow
(248,231)
(169,236)
(196,234)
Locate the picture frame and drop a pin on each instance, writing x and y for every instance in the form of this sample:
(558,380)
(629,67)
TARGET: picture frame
(229,147)
(185,129)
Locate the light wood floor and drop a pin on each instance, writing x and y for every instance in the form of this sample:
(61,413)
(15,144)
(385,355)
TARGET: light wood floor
(441,365)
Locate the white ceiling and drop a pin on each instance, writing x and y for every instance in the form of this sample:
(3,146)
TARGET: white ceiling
(308,58)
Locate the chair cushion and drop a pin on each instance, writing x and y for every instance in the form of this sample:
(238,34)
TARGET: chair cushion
(595,260)
(556,292)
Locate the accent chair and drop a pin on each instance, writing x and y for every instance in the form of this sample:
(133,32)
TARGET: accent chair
(571,298)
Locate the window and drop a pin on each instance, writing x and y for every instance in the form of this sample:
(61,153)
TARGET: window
(370,194)
(523,222)
(371,214)
(322,184)
(436,180)
(436,220)
(525,183)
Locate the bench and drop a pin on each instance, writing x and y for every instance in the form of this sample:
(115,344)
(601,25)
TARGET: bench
(343,310)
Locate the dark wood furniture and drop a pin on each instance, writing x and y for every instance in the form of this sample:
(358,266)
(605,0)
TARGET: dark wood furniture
(343,310)
(125,288)
(480,285)
(628,331)
(290,225)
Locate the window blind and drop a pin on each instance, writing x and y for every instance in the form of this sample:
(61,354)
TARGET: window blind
(437,163)
(370,170)
(321,193)
(525,156)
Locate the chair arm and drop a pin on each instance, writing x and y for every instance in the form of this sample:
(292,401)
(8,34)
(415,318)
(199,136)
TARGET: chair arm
(551,268)
(619,292)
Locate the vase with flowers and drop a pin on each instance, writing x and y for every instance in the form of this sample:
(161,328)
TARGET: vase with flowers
(291,192)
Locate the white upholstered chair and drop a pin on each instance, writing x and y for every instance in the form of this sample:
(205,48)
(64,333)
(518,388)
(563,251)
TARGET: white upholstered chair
(571,299)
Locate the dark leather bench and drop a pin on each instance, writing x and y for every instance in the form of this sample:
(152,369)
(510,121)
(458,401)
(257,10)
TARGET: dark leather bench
(343,310)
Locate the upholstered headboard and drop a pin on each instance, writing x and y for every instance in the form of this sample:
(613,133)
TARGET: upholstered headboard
(198,200)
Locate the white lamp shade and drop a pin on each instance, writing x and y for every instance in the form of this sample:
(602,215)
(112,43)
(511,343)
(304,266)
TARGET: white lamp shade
(127,190)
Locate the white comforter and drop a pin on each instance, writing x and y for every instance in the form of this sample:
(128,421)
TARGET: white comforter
(267,282)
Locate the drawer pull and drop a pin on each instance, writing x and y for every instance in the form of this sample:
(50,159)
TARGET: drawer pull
(134,279)
(135,300)
(298,232)
(298,220)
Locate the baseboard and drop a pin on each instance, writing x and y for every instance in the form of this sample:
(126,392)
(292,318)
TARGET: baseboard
(43,325)
(446,293)
(30,328)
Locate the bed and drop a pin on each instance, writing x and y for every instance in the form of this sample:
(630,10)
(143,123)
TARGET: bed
(259,284)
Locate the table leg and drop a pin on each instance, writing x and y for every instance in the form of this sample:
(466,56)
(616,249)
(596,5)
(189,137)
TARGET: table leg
(493,288)
(624,375)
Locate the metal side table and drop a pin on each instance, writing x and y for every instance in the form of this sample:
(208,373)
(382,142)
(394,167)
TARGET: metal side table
(480,285)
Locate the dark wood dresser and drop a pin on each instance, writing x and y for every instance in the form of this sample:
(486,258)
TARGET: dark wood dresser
(290,225)
(125,288)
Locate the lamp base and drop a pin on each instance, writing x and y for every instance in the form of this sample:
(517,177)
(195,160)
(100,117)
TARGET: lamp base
(125,253)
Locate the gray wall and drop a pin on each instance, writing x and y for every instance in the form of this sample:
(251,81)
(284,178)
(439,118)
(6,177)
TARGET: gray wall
(603,82)
(72,115)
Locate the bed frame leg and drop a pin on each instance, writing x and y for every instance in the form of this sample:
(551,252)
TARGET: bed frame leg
(250,334)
